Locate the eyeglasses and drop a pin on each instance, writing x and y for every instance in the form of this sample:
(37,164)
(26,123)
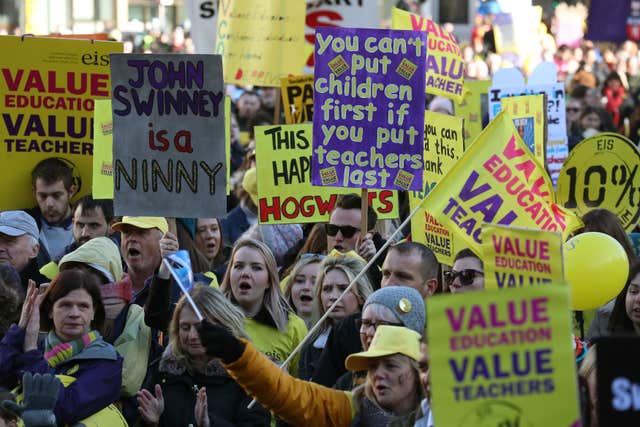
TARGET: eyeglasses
(466,276)
(346,230)
(364,324)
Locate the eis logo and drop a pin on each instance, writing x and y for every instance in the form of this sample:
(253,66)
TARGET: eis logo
(93,58)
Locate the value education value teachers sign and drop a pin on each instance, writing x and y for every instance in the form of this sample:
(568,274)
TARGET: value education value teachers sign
(169,138)
(369,98)
(48,88)
(503,358)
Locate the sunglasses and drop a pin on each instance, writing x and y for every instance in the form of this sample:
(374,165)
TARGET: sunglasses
(346,230)
(466,276)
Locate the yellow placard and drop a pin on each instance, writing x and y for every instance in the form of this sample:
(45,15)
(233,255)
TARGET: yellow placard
(473,107)
(48,87)
(443,146)
(515,257)
(503,358)
(261,42)
(498,181)
(285,193)
(602,172)
(297,99)
(102,150)
(227,139)
(445,66)
(529,113)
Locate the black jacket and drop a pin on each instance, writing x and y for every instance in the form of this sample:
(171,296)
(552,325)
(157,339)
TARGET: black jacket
(343,340)
(226,400)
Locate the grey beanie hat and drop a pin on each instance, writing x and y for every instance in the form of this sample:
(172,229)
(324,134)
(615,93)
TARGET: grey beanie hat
(406,303)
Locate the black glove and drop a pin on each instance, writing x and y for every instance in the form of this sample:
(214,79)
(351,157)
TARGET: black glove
(220,342)
(40,397)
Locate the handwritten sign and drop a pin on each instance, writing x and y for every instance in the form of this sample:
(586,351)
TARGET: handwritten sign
(369,100)
(297,99)
(529,118)
(102,150)
(443,146)
(510,82)
(602,172)
(285,193)
(498,181)
(169,135)
(48,89)
(503,358)
(351,13)
(260,42)
(515,257)
(445,66)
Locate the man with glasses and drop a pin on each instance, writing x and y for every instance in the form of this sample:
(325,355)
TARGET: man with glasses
(467,273)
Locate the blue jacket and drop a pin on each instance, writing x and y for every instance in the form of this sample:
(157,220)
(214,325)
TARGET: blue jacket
(97,370)
(234,225)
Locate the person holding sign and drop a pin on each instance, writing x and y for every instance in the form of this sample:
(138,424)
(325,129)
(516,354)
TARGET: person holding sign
(393,381)
(185,367)
(251,282)
(343,230)
(140,247)
(467,273)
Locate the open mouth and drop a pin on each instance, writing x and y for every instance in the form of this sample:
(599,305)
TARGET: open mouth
(133,252)
(381,388)
(306,298)
(244,286)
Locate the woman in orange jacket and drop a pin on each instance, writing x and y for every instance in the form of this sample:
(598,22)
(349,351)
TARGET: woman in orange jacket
(392,391)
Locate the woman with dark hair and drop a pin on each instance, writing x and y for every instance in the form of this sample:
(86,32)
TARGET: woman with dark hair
(209,241)
(71,312)
(625,317)
(603,221)
(592,120)
(614,91)
(467,273)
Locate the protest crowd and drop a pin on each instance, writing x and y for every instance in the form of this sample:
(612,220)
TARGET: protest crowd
(390,302)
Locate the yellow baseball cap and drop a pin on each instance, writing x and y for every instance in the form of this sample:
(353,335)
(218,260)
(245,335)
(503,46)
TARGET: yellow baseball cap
(387,341)
(158,222)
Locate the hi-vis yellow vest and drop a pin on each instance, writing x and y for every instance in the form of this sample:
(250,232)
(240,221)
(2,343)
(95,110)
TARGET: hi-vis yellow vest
(106,417)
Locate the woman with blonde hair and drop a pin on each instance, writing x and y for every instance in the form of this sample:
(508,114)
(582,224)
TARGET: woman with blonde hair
(198,388)
(251,282)
(336,273)
(299,289)
(390,396)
